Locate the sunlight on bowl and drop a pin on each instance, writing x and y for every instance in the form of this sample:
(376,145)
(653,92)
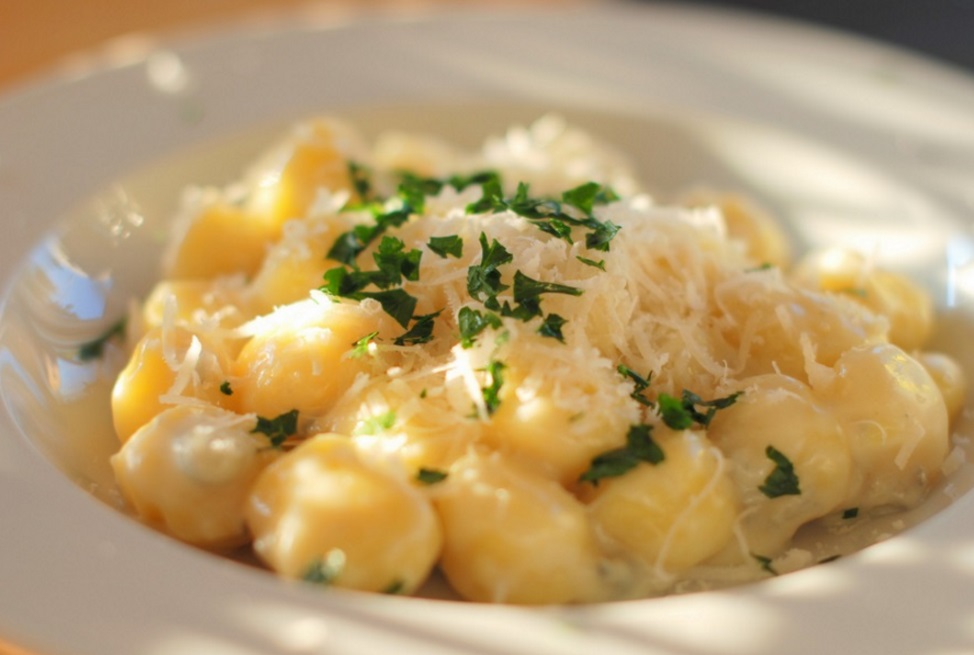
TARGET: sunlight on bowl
(79,282)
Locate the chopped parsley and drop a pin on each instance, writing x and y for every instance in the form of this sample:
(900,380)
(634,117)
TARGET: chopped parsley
(395,588)
(552,216)
(641,384)
(484,279)
(361,178)
(551,327)
(279,428)
(421,331)
(430,476)
(95,349)
(528,291)
(324,570)
(472,322)
(377,424)
(782,481)
(850,513)
(491,392)
(682,413)
(447,246)
(600,264)
(343,283)
(765,562)
(226,389)
(639,447)
(361,347)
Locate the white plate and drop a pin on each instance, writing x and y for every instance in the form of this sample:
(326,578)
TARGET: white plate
(849,141)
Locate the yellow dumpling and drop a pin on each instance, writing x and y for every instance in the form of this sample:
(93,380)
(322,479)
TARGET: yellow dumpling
(313,158)
(189,471)
(949,377)
(896,421)
(673,514)
(558,407)
(301,356)
(775,327)
(296,264)
(219,238)
(210,304)
(514,536)
(763,238)
(788,458)
(903,302)
(168,364)
(411,421)
(322,512)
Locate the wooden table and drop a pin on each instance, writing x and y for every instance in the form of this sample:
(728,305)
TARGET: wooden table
(41,37)
(36,35)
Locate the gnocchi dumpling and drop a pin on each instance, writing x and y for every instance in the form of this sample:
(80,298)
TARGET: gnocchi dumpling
(896,423)
(557,407)
(514,536)
(324,513)
(189,472)
(673,514)
(789,458)
(169,365)
(903,302)
(302,357)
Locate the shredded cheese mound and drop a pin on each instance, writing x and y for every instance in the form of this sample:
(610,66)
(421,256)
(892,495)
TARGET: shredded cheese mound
(552,386)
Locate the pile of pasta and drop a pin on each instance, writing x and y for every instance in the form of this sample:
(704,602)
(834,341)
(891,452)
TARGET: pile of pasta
(372,361)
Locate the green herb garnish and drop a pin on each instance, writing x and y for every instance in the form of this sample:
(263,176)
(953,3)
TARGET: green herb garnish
(491,393)
(782,481)
(483,279)
(765,563)
(472,322)
(430,476)
(421,331)
(680,414)
(279,428)
(447,246)
(95,349)
(361,347)
(639,447)
(377,424)
(325,570)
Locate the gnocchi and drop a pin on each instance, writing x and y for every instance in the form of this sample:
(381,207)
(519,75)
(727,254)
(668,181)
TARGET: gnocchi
(514,369)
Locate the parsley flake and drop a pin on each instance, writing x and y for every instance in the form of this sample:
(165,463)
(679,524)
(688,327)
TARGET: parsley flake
(95,349)
(430,476)
(640,383)
(600,264)
(551,327)
(376,424)
(765,562)
(782,481)
(682,413)
(491,392)
(446,246)
(226,389)
(361,347)
(483,279)
(324,570)
(640,447)
(279,428)
(421,331)
(472,322)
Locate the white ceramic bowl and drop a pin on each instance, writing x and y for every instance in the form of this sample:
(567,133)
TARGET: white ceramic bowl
(849,142)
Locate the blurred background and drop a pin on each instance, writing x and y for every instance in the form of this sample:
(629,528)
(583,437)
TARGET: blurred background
(939,28)
(36,34)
